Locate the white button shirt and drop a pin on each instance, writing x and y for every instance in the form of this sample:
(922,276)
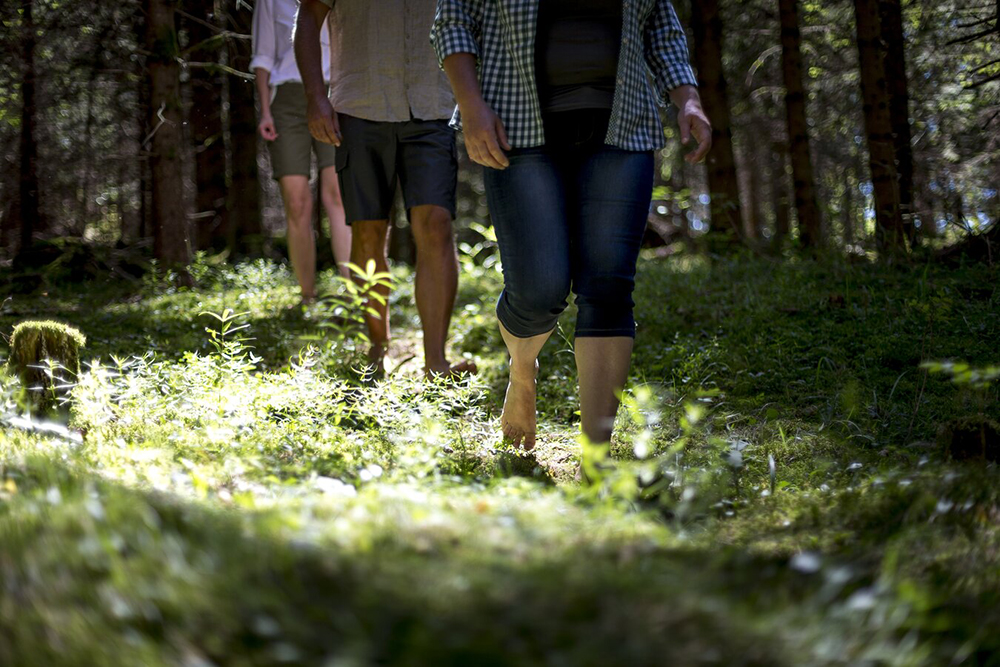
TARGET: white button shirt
(273,25)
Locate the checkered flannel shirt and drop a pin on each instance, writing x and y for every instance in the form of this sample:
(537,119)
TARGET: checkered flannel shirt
(501,34)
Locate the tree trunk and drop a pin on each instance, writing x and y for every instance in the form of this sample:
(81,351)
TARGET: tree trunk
(755,164)
(891,16)
(890,236)
(28,210)
(171,244)
(246,231)
(207,135)
(779,195)
(726,222)
(810,232)
(847,209)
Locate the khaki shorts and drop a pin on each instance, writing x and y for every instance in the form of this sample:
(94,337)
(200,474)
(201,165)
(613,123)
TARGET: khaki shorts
(291,152)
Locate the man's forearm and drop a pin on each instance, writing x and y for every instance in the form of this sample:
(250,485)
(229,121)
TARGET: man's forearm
(308,57)
(461,71)
(262,79)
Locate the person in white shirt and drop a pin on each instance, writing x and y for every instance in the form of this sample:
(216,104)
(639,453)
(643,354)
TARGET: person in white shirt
(284,126)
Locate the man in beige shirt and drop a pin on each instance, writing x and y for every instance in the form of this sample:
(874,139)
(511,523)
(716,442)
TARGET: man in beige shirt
(388,113)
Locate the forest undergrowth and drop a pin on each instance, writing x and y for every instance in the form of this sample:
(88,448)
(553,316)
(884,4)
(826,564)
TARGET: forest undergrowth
(221,487)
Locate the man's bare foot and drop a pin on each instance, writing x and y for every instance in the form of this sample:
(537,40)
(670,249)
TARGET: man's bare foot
(519,420)
(449,371)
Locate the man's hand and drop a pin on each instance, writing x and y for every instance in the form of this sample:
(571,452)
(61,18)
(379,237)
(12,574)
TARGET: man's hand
(693,122)
(485,137)
(323,122)
(266,128)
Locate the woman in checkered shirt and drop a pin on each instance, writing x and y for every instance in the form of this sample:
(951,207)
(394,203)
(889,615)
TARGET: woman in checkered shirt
(558,100)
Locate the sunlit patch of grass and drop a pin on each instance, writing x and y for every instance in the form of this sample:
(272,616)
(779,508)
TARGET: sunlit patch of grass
(772,494)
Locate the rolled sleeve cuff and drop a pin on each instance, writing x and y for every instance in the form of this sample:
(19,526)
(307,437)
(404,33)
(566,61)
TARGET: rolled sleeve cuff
(453,39)
(262,62)
(674,76)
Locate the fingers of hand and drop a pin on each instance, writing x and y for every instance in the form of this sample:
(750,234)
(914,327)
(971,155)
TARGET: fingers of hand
(502,135)
(494,150)
(685,125)
(322,130)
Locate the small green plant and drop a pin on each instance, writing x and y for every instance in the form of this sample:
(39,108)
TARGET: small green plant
(343,313)
(45,355)
(229,344)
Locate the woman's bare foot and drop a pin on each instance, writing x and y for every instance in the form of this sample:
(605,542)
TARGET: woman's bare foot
(519,420)
(449,371)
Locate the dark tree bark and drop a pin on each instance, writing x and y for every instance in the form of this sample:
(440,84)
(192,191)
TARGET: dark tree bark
(27,213)
(803,181)
(207,134)
(891,16)
(755,165)
(246,230)
(779,194)
(171,244)
(847,209)
(727,225)
(890,235)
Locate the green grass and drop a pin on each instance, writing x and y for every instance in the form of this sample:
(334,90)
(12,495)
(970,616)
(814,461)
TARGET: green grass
(224,504)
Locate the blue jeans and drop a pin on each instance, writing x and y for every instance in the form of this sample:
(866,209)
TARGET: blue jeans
(570,217)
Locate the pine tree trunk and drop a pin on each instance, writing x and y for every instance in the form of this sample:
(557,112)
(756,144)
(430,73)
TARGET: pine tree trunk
(891,17)
(207,135)
(847,209)
(246,231)
(890,237)
(803,181)
(171,244)
(779,195)
(727,225)
(28,210)
(755,164)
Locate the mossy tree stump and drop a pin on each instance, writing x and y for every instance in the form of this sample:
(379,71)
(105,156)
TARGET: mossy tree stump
(45,355)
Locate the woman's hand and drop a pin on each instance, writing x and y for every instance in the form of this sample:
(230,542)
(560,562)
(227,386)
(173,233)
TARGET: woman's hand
(266,128)
(485,137)
(693,121)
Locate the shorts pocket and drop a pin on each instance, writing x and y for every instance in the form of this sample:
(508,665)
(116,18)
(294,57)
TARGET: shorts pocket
(340,158)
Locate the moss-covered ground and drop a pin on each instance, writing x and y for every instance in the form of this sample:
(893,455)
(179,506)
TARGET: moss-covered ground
(776,494)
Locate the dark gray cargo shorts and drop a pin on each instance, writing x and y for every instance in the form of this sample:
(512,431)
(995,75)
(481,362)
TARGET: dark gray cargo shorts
(421,153)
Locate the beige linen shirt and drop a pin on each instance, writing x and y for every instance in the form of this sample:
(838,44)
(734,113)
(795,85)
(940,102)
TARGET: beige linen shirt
(383,65)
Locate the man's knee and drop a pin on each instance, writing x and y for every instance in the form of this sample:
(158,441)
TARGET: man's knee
(368,237)
(431,226)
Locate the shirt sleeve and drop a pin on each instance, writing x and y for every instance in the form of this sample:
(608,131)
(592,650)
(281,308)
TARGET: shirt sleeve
(264,47)
(457,27)
(666,51)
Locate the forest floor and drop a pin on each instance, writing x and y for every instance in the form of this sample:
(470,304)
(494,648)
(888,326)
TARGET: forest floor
(777,492)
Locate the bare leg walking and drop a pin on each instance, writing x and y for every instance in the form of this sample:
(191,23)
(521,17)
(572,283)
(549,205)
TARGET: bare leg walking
(297,197)
(340,232)
(368,242)
(436,285)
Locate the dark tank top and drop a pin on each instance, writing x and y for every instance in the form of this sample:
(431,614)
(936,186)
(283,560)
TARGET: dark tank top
(576,53)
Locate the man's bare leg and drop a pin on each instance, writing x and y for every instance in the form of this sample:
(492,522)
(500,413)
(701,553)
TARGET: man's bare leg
(297,197)
(340,232)
(436,285)
(368,242)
